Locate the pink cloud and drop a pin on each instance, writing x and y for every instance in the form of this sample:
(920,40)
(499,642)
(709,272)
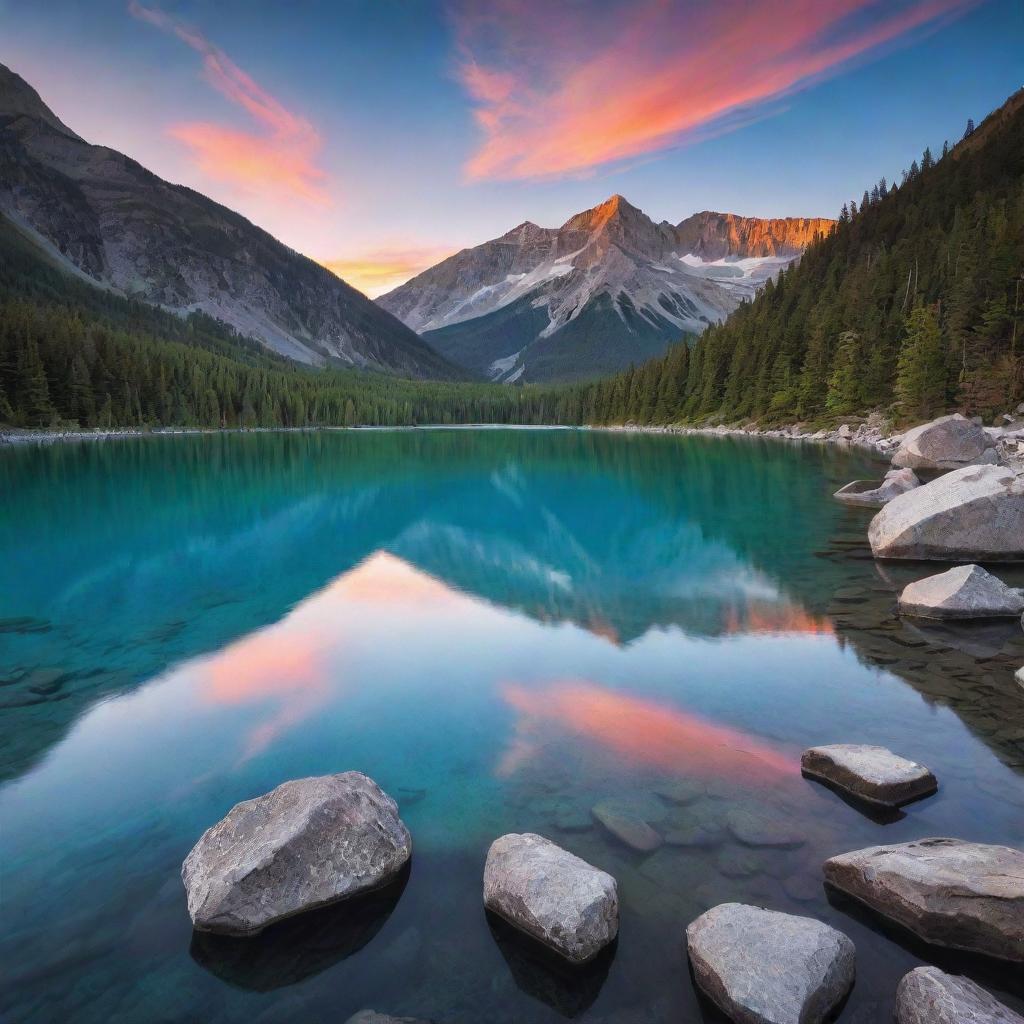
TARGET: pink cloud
(559,90)
(279,160)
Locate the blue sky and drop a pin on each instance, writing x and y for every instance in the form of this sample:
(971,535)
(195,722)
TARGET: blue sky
(378,136)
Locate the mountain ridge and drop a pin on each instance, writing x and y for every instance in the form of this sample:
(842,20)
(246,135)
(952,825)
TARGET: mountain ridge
(128,229)
(609,287)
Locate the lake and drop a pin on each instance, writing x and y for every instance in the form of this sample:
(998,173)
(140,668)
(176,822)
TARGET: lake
(504,628)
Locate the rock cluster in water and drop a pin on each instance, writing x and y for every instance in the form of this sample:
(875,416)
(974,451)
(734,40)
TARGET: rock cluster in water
(964,592)
(874,495)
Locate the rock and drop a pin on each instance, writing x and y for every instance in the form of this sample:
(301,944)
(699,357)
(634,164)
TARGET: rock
(950,442)
(754,827)
(867,492)
(681,791)
(1019,676)
(948,892)
(626,826)
(557,898)
(966,592)
(694,835)
(763,967)
(972,514)
(929,996)
(373,1017)
(869,773)
(306,843)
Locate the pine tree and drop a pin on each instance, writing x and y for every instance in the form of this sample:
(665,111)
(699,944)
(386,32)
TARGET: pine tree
(844,385)
(921,369)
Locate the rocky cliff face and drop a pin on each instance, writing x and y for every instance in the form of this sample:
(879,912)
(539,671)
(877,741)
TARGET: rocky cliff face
(608,288)
(106,216)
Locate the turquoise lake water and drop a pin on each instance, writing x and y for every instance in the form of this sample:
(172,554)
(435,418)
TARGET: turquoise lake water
(503,628)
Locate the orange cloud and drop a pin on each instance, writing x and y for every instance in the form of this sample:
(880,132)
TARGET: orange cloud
(377,271)
(279,160)
(640,731)
(559,92)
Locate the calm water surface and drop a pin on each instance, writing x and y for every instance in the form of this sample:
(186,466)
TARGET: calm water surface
(503,628)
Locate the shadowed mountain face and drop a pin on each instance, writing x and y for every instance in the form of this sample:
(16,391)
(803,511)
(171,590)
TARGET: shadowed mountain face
(608,288)
(106,217)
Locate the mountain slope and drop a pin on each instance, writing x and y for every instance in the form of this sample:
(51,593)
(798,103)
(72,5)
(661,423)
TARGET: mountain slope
(913,305)
(607,288)
(127,229)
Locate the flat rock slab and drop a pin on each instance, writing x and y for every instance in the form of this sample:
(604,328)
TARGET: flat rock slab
(949,892)
(626,825)
(929,996)
(762,967)
(869,773)
(552,895)
(307,843)
(949,442)
(1019,675)
(874,495)
(756,827)
(970,515)
(966,592)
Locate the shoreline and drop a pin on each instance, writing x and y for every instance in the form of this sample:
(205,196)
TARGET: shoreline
(875,443)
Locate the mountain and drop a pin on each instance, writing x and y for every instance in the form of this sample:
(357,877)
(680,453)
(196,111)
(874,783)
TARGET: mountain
(608,288)
(105,216)
(913,305)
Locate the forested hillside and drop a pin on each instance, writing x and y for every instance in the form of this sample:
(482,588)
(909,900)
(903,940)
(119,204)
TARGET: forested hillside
(912,305)
(73,355)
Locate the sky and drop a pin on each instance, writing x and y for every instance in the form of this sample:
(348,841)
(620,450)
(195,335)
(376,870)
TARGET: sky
(378,136)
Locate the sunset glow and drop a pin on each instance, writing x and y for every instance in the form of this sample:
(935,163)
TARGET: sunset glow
(652,75)
(641,732)
(378,271)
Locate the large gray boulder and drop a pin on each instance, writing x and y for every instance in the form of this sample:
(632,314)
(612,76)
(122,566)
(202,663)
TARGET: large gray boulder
(950,442)
(948,892)
(875,495)
(869,773)
(966,592)
(306,843)
(762,967)
(974,514)
(929,996)
(554,896)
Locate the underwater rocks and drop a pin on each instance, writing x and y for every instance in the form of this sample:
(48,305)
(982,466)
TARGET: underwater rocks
(372,1017)
(626,825)
(552,895)
(949,892)
(973,514)
(869,773)
(307,843)
(764,967)
(966,592)
(929,996)
(867,492)
(950,442)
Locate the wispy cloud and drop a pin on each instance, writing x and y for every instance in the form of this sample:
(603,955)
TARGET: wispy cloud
(377,271)
(560,90)
(279,159)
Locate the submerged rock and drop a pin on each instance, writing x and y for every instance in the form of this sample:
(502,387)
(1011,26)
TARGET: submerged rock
(950,442)
(554,896)
(307,843)
(948,892)
(972,514)
(627,826)
(869,773)
(373,1017)
(756,827)
(929,996)
(966,592)
(763,967)
(867,492)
